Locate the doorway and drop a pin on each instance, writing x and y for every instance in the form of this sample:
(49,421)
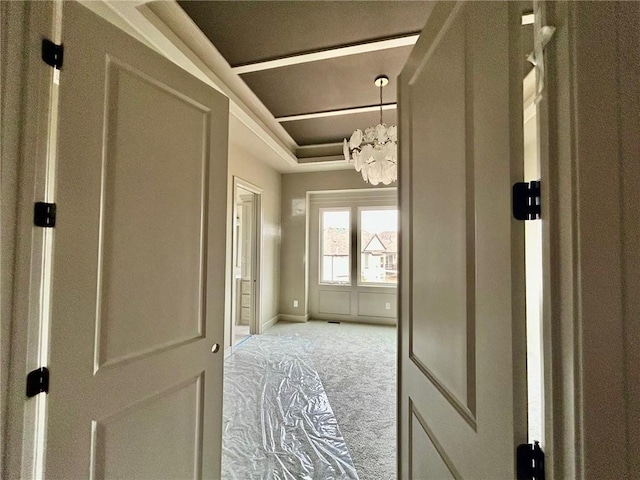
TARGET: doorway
(245,272)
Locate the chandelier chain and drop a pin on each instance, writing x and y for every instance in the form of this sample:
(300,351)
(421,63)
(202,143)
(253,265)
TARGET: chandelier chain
(381,103)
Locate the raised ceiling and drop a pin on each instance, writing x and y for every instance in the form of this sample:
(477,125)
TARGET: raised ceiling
(312,62)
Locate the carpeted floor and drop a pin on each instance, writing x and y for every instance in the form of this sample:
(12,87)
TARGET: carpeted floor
(357,366)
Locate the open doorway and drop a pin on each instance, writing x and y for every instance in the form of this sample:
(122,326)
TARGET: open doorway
(315,397)
(245,284)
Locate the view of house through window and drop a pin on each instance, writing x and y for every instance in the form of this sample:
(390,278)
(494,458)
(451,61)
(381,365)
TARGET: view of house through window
(379,246)
(335,248)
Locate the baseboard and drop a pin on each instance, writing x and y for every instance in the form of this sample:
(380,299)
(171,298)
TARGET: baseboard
(270,323)
(392,322)
(285,317)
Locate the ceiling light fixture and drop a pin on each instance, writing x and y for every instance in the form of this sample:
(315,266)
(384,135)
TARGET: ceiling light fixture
(374,153)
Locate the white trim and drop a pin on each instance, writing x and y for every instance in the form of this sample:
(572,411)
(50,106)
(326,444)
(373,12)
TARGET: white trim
(321,145)
(323,165)
(362,319)
(285,317)
(266,326)
(359,252)
(33,267)
(373,194)
(528,18)
(327,54)
(322,210)
(255,324)
(335,113)
(322,160)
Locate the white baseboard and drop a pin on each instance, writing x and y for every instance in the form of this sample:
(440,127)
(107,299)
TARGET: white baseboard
(294,318)
(360,319)
(270,323)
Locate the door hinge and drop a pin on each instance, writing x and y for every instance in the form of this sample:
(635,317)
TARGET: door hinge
(526,200)
(38,382)
(52,54)
(44,214)
(530,462)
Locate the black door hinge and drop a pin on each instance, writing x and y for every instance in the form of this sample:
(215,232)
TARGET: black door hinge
(530,462)
(44,214)
(38,382)
(526,200)
(52,54)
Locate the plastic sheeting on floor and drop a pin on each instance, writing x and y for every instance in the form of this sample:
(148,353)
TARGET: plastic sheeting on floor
(278,423)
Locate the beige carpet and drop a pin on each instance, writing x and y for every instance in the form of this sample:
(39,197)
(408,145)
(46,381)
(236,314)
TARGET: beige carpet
(357,366)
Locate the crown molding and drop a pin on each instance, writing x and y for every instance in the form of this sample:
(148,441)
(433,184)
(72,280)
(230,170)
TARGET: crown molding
(337,52)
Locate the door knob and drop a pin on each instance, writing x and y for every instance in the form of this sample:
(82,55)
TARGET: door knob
(215,347)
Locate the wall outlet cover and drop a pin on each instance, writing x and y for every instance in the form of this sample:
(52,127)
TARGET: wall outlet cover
(295,303)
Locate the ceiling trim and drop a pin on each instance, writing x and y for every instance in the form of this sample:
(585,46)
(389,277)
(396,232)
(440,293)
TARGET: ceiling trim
(166,28)
(169,18)
(324,165)
(328,158)
(334,113)
(344,51)
(307,153)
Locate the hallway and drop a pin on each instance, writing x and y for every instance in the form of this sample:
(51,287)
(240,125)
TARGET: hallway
(339,377)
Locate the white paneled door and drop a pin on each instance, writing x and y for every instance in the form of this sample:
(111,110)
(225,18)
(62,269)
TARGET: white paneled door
(138,282)
(462,398)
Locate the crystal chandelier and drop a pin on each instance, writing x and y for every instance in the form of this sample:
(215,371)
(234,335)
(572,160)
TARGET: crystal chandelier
(374,153)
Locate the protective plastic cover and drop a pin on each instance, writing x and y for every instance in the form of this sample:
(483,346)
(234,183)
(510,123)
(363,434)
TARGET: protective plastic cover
(278,423)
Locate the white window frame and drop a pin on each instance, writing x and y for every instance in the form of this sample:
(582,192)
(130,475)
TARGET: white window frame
(321,246)
(359,281)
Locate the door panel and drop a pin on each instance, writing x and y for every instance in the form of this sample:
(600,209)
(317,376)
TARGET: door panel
(462,349)
(170,418)
(170,217)
(138,292)
(443,273)
(432,461)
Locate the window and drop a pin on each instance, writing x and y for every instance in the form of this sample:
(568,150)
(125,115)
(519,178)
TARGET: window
(378,246)
(335,246)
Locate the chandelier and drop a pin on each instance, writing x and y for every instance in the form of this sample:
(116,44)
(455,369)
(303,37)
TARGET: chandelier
(374,153)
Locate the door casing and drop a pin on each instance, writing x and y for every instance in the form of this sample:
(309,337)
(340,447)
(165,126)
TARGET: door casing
(256,260)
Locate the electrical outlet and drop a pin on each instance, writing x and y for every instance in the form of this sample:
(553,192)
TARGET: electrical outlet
(387,306)
(295,304)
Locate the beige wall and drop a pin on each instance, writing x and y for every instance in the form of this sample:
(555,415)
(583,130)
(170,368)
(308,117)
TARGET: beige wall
(607,102)
(248,167)
(293,281)
(594,236)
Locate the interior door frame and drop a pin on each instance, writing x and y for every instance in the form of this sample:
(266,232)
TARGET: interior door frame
(28,320)
(255,325)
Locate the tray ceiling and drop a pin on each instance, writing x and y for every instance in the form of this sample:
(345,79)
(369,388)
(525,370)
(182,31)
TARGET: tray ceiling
(248,33)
